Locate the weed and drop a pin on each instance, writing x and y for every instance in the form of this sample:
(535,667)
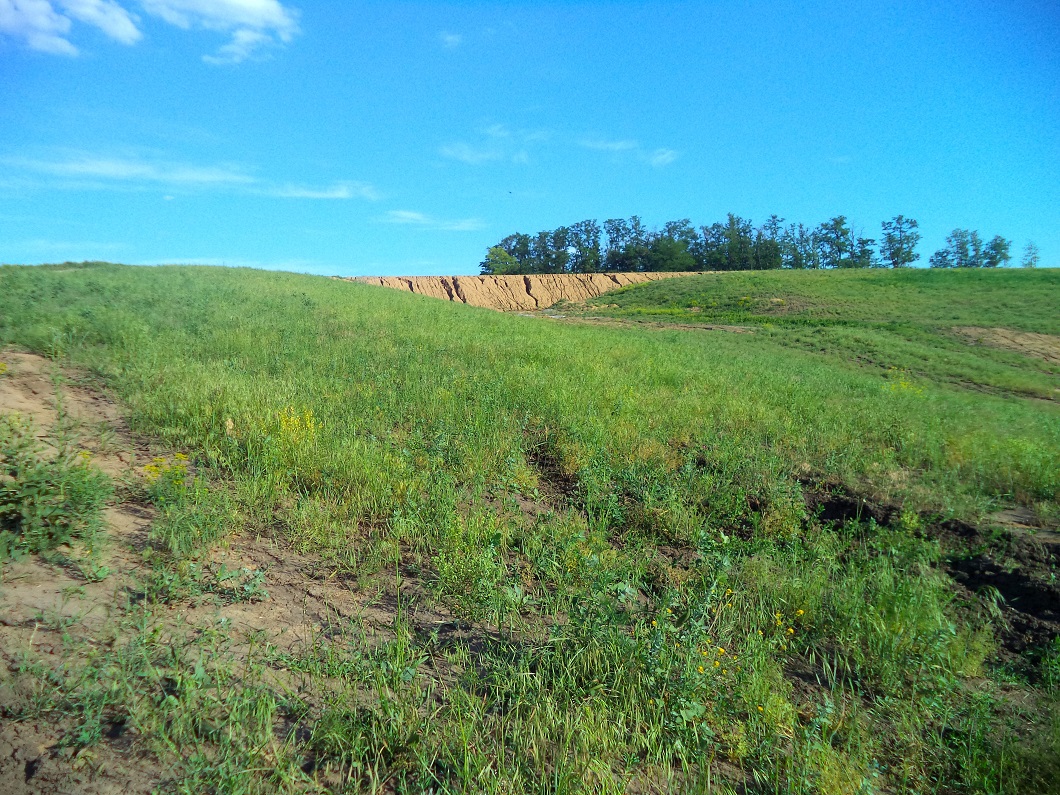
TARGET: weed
(47,497)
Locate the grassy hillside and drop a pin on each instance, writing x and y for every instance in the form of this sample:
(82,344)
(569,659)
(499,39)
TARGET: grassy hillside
(933,323)
(676,560)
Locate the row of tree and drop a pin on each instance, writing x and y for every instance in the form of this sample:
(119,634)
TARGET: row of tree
(626,245)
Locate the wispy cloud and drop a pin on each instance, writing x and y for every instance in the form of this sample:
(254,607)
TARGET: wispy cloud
(84,170)
(244,44)
(125,170)
(108,16)
(662,157)
(466,153)
(46,25)
(498,143)
(655,157)
(608,146)
(340,190)
(413,218)
(450,40)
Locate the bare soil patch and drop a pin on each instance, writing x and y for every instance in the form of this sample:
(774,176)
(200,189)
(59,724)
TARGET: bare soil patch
(514,293)
(1041,346)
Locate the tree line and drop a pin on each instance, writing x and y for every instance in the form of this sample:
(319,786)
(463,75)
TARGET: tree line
(626,245)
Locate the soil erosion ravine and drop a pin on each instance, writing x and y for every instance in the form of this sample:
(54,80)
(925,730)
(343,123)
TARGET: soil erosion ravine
(514,293)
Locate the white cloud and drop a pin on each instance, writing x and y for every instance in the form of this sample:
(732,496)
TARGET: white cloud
(608,146)
(128,169)
(469,154)
(108,16)
(662,157)
(37,23)
(340,190)
(655,157)
(81,170)
(450,40)
(498,143)
(243,45)
(253,24)
(413,218)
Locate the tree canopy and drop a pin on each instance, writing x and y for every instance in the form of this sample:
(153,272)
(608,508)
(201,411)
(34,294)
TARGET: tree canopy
(626,245)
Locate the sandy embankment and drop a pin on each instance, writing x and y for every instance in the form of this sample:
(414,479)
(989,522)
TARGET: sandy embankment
(513,293)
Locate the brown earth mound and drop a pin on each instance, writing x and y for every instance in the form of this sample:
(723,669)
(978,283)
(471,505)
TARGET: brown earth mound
(514,293)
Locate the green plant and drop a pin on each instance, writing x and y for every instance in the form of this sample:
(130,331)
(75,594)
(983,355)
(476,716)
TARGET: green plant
(48,497)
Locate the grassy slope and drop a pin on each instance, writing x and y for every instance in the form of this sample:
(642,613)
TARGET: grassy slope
(670,469)
(903,319)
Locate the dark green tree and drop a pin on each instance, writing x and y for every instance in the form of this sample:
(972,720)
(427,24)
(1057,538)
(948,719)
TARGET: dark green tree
(835,243)
(996,253)
(668,254)
(739,244)
(863,254)
(767,247)
(900,239)
(499,262)
(965,249)
(710,252)
(584,240)
(800,247)
(618,236)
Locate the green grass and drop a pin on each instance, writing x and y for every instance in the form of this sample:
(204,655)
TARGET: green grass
(902,319)
(641,625)
(50,495)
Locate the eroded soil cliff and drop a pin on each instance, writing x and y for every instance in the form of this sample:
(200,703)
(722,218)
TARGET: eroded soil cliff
(514,293)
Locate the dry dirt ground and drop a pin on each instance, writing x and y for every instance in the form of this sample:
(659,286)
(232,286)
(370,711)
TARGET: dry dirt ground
(48,606)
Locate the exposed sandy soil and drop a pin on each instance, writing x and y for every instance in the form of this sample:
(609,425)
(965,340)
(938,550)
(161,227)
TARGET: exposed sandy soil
(1042,346)
(514,293)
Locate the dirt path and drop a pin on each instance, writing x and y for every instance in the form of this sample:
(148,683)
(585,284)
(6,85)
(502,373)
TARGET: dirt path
(514,293)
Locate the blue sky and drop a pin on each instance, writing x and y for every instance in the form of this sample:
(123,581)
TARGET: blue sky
(382,138)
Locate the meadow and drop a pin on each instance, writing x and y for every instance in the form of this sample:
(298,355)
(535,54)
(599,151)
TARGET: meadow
(627,551)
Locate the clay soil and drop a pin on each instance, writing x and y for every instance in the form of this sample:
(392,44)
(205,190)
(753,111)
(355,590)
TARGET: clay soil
(514,293)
